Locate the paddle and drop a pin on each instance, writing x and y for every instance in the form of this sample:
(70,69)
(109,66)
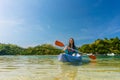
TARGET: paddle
(60,44)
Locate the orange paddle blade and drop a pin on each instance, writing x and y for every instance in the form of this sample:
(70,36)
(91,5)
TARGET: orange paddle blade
(58,43)
(92,56)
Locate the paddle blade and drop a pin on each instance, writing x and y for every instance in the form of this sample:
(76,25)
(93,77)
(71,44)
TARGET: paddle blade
(58,43)
(92,56)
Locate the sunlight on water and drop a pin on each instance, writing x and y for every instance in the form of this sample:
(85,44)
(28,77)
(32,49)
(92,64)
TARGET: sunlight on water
(49,68)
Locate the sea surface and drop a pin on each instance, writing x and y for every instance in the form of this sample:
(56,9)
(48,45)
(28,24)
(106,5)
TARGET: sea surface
(49,68)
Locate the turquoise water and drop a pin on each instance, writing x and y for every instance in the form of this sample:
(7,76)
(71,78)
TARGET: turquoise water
(49,68)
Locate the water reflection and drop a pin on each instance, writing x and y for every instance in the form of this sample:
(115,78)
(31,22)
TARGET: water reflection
(68,72)
(49,68)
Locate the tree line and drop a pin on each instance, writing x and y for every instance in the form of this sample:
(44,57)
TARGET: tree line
(102,46)
(99,46)
(44,49)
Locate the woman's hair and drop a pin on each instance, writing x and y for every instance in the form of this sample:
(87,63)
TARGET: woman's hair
(73,45)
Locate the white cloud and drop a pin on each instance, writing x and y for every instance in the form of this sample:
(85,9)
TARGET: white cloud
(19,31)
(19,25)
(15,28)
(112,27)
(8,26)
(7,22)
(10,30)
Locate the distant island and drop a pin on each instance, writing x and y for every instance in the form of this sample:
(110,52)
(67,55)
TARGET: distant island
(44,49)
(99,46)
(102,46)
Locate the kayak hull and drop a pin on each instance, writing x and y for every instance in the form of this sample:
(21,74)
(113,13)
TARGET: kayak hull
(69,58)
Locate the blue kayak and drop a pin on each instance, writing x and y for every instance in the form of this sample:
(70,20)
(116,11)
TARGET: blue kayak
(70,58)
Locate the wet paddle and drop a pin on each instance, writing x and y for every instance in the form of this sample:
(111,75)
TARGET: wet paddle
(60,44)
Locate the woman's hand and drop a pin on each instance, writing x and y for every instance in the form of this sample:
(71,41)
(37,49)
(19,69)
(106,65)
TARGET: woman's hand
(65,48)
(70,49)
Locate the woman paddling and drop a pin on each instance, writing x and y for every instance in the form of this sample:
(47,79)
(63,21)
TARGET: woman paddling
(71,48)
(71,53)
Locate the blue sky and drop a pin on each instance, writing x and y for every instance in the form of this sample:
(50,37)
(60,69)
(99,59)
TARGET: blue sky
(33,22)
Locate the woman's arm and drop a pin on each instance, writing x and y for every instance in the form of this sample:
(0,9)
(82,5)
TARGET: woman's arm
(75,50)
(65,48)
